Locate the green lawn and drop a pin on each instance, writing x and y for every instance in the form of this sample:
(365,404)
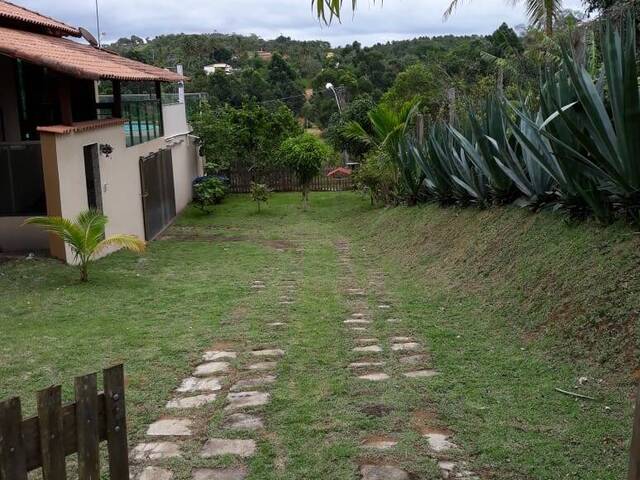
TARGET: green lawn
(504,327)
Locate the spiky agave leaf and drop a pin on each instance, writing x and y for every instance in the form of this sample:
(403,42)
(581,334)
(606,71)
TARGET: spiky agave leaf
(487,132)
(467,173)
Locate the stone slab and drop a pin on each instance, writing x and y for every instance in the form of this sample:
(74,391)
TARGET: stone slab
(155,473)
(155,451)
(439,442)
(211,368)
(358,329)
(413,359)
(193,384)
(357,321)
(218,355)
(384,306)
(405,347)
(263,366)
(170,427)
(393,320)
(375,377)
(274,352)
(383,472)
(251,383)
(401,339)
(242,421)
(380,443)
(216,447)
(357,315)
(421,374)
(276,324)
(192,402)
(366,340)
(366,364)
(368,349)
(246,399)
(239,473)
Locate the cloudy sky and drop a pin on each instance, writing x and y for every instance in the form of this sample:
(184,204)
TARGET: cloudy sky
(372,23)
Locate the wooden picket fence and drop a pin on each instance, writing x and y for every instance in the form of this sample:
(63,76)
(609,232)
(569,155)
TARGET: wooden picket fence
(60,430)
(285,181)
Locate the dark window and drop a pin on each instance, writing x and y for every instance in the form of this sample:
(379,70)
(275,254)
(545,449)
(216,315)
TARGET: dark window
(21,180)
(92,175)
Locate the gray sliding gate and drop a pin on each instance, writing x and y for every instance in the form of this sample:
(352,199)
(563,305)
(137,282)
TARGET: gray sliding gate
(158,193)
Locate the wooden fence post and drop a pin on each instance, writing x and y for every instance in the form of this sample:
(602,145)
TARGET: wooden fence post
(13,462)
(86,388)
(51,440)
(116,419)
(634,450)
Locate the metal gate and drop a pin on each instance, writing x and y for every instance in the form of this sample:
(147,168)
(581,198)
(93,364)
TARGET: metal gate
(158,193)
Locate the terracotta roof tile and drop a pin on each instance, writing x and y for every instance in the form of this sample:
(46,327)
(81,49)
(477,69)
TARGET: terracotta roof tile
(23,15)
(81,126)
(340,171)
(78,60)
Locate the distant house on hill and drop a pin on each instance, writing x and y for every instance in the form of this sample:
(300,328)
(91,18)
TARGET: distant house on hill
(264,56)
(218,67)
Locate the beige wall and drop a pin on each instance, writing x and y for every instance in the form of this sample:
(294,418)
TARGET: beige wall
(186,163)
(15,238)
(9,100)
(120,173)
(174,118)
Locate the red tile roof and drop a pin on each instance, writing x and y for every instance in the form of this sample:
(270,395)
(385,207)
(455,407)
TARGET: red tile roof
(81,126)
(340,171)
(22,15)
(78,60)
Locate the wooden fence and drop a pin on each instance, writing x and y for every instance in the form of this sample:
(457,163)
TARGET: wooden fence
(60,430)
(284,181)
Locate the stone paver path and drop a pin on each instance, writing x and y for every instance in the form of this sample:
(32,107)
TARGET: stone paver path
(409,357)
(214,423)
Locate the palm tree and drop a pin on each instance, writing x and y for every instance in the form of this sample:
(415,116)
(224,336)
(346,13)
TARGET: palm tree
(85,236)
(541,12)
(390,129)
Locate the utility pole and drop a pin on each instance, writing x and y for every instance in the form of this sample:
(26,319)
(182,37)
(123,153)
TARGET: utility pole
(98,24)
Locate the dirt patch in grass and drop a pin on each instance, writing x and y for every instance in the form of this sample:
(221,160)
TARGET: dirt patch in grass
(377,410)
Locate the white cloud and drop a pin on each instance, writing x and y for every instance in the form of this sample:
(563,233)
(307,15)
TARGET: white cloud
(372,23)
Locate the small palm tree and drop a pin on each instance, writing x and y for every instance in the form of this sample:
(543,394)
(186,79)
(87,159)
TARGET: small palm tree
(85,236)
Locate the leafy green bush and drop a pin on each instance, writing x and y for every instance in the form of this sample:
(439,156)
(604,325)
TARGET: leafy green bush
(259,193)
(246,137)
(304,155)
(209,191)
(375,176)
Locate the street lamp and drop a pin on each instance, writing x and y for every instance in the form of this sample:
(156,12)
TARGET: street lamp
(331,88)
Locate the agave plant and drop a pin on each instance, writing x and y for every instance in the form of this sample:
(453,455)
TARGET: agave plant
(436,163)
(487,132)
(607,132)
(467,172)
(85,236)
(525,162)
(579,185)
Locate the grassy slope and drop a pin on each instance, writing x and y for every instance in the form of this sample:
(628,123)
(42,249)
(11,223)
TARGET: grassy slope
(515,305)
(511,305)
